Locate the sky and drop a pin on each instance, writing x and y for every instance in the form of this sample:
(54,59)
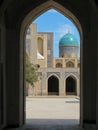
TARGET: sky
(53,21)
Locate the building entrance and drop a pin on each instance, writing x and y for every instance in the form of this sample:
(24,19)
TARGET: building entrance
(70,86)
(53,86)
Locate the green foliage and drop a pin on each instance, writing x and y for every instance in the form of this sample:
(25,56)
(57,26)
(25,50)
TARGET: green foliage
(31,74)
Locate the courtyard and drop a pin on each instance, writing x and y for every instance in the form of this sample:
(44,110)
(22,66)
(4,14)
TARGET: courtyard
(52,112)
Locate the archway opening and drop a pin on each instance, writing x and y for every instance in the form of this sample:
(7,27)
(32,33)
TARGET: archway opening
(53,85)
(53,5)
(70,86)
(41,53)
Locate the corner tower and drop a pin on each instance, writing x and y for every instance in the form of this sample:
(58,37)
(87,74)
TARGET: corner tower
(68,46)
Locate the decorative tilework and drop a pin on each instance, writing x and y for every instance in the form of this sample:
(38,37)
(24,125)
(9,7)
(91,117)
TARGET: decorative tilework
(74,73)
(55,73)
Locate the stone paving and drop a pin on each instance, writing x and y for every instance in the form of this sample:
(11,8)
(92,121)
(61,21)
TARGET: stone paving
(52,113)
(53,109)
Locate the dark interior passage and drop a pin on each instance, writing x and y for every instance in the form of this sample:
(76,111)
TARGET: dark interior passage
(70,86)
(53,86)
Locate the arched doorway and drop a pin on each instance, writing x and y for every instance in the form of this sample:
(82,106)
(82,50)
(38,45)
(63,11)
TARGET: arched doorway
(53,85)
(70,86)
(41,9)
(16,105)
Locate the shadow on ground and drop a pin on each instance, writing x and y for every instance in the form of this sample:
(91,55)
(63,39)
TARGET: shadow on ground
(52,124)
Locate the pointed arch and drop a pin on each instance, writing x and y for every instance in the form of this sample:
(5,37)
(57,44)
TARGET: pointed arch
(70,86)
(58,65)
(37,12)
(45,7)
(70,64)
(53,85)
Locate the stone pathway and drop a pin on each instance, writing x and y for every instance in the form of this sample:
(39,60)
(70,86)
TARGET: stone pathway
(52,108)
(52,113)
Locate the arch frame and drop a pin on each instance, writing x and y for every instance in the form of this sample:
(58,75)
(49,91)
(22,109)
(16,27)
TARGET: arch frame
(37,12)
(53,74)
(71,75)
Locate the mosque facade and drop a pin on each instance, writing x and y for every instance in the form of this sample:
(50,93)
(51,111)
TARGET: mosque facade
(56,76)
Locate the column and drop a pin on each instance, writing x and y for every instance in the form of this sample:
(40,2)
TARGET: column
(64,65)
(75,63)
(78,87)
(90,71)
(61,85)
(2,78)
(44,83)
(15,84)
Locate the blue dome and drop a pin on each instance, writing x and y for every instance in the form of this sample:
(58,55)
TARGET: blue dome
(68,39)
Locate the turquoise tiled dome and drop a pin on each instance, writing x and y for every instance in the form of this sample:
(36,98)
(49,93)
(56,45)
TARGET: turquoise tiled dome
(68,39)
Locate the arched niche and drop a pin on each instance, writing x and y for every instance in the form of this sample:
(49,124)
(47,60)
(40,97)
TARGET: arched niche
(70,64)
(40,45)
(58,65)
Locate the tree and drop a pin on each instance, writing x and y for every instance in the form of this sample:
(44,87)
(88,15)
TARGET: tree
(31,71)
